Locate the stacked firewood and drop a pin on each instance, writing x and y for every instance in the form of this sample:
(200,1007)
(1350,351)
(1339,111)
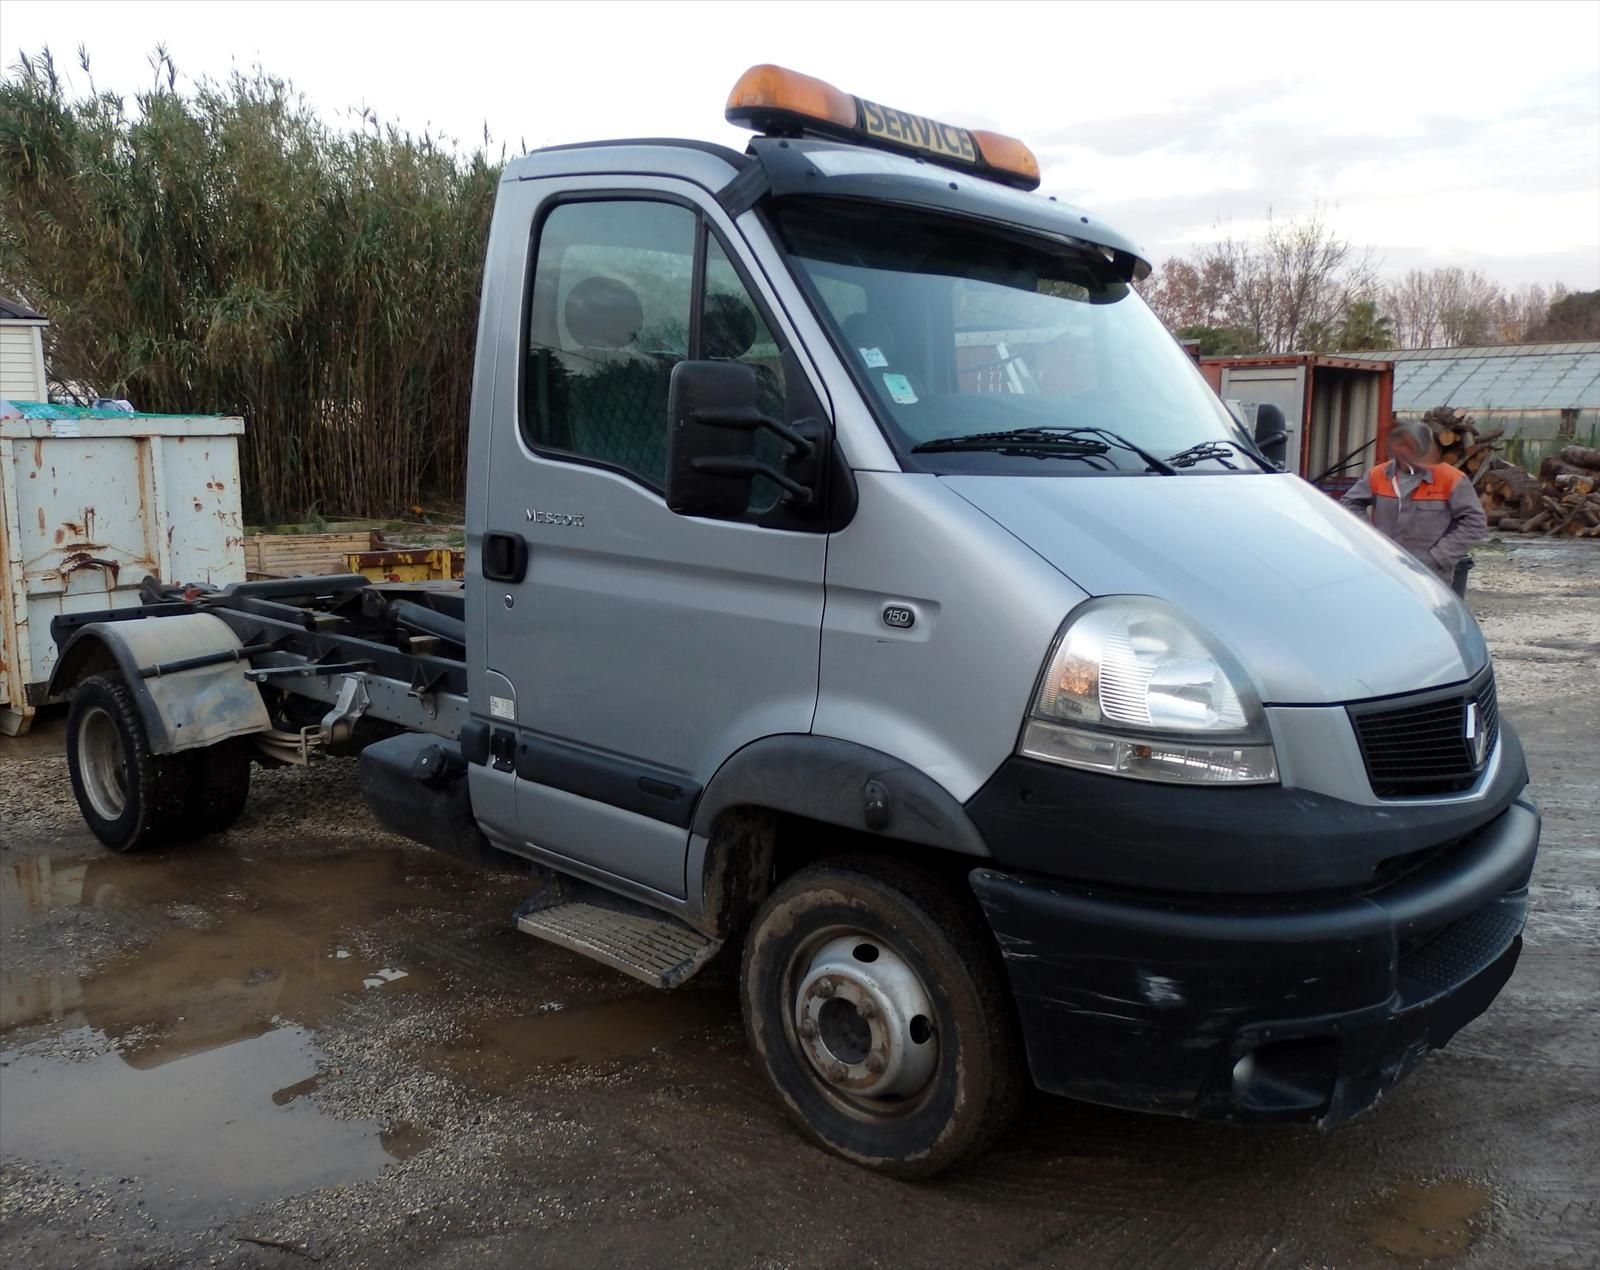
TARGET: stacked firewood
(1459,441)
(1563,499)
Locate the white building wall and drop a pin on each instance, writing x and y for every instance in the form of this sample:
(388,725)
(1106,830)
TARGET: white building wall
(22,361)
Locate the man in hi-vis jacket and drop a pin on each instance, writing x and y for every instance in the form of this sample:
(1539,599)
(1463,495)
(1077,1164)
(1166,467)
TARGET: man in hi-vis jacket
(1429,509)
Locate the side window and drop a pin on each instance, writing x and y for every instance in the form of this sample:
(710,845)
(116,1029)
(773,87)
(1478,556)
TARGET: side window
(613,290)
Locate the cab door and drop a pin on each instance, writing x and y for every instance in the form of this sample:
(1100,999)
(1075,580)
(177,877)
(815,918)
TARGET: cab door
(638,648)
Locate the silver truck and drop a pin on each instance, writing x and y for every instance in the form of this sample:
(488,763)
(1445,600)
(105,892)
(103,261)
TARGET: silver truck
(860,576)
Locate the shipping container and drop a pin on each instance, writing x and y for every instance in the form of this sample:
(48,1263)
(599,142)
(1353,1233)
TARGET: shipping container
(1337,410)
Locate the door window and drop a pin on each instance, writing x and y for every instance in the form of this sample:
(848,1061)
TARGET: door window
(613,288)
(613,309)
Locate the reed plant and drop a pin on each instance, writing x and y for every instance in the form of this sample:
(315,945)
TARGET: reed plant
(223,249)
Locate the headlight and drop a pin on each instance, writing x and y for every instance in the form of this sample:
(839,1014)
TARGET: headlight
(1132,688)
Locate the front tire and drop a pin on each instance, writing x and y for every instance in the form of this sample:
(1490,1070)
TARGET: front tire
(875,1002)
(129,797)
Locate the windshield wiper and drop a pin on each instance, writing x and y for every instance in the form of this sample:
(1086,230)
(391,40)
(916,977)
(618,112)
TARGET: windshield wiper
(1217,448)
(1044,440)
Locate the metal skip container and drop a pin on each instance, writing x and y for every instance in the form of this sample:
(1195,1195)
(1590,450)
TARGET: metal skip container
(92,502)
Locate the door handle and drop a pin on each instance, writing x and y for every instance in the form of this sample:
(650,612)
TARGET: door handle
(505,557)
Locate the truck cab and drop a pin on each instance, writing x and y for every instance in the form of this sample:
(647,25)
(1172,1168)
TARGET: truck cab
(862,580)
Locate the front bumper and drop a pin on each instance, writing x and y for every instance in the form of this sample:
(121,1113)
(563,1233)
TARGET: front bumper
(1267,1008)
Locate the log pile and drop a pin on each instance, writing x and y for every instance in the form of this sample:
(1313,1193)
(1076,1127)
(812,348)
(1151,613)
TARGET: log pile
(1563,499)
(1459,442)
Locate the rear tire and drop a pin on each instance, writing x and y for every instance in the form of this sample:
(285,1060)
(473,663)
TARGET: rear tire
(219,778)
(875,1001)
(129,797)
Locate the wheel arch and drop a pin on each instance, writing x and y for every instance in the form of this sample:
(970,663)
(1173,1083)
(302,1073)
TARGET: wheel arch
(768,789)
(184,710)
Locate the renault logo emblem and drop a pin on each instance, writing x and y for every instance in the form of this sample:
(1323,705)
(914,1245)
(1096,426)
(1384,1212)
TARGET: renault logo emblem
(1477,737)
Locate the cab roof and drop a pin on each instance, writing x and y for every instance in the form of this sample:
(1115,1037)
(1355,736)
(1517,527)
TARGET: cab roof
(785,167)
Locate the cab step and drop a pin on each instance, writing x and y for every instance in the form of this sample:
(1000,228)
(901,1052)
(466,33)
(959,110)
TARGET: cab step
(646,943)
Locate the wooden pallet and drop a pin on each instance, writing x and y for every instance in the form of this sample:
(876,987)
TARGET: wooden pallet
(304,555)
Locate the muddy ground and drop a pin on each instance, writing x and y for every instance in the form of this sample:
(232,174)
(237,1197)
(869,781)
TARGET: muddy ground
(305,1040)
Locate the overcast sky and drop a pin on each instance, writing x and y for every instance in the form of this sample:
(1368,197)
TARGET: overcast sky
(1437,133)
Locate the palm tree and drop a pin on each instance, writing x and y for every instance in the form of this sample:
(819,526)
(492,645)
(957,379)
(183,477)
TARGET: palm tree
(1362,327)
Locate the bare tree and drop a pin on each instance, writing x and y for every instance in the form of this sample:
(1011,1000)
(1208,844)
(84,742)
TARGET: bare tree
(1467,305)
(1520,311)
(1288,288)
(1413,305)
(1452,307)
(1299,286)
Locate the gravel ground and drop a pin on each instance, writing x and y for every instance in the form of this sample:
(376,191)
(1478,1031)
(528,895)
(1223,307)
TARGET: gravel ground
(307,1040)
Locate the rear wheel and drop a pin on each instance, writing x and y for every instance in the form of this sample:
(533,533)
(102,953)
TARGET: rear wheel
(219,779)
(874,999)
(129,797)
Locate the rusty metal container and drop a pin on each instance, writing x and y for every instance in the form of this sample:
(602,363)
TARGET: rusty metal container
(93,501)
(409,564)
(1337,409)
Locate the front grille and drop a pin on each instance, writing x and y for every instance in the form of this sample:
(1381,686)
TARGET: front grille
(1420,746)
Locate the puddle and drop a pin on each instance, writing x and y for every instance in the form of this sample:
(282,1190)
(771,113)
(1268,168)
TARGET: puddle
(1427,1221)
(266,941)
(204,1137)
(47,738)
(404,1140)
(205,1101)
(505,1051)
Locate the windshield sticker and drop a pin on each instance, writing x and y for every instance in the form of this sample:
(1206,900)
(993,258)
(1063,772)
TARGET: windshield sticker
(900,389)
(873,357)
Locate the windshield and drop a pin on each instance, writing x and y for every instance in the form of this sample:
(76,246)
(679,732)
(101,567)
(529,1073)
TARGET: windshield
(960,331)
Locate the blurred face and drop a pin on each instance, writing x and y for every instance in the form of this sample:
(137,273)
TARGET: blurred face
(1404,448)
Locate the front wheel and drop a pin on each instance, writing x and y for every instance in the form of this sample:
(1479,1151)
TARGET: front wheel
(129,797)
(874,1000)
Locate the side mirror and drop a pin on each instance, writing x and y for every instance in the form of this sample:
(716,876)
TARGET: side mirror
(1272,436)
(713,417)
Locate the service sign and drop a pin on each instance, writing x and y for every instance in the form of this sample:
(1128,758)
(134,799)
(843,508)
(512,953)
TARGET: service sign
(917,132)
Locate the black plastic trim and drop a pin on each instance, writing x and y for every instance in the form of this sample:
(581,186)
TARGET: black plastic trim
(1138,1003)
(826,779)
(474,741)
(1171,839)
(642,788)
(747,189)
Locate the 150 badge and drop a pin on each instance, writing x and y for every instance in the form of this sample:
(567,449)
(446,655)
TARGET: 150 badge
(899,617)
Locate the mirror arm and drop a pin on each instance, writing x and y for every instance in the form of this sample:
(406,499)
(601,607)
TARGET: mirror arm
(801,494)
(751,420)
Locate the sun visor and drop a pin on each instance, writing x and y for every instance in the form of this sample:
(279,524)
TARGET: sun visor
(829,169)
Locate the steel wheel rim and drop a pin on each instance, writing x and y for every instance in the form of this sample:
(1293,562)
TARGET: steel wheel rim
(861,1023)
(102,763)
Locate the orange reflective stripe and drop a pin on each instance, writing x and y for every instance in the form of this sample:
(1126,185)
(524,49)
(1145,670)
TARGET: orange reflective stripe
(1441,481)
(1437,488)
